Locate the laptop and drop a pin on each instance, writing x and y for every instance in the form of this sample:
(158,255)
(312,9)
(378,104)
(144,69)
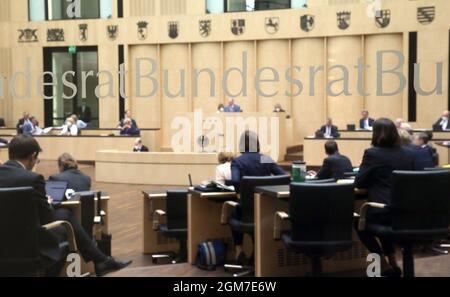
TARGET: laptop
(56,190)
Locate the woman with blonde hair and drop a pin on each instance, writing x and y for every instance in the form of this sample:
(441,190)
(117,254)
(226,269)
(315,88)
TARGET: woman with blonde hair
(223,171)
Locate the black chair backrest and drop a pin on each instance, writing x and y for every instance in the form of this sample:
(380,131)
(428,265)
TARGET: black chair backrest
(19,227)
(247,192)
(87,203)
(176,208)
(420,200)
(321,212)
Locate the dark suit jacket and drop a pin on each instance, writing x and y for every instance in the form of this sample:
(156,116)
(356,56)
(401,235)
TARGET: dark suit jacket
(18,126)
(144,149)
(133,123)
(77,180)
(437,126)
(13,175)
(422,156)
(334,130)
(335,166)
(253,164)
(134,131)
(85,116)
(361,123)
(376,171)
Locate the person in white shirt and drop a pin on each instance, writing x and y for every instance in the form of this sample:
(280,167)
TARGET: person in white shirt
(70,128)
(223,171)
(80,123)
(443,122)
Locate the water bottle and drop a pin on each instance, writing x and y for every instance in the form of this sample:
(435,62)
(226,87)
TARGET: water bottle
(298,172)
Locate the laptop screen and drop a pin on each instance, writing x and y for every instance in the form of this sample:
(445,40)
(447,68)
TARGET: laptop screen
(56,190)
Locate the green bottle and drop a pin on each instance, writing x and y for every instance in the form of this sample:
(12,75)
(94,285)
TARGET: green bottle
(298,171)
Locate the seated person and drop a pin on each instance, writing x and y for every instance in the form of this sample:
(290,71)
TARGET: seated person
(220,108)
(2,123)
(442,123)
(25,119)
(223,171)
(335,165)
(232,107)
(18,172)
(70,128)
(375,172)
(68,171)
(329,130)
(128,115)
(31,127)
(278,108)
(80,124)
(139,146)
(422,154)
(401,124)
(366,122)
(128,128)
(250,163)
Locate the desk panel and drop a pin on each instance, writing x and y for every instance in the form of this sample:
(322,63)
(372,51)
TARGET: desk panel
(4,155)
(353,148)
(154,168)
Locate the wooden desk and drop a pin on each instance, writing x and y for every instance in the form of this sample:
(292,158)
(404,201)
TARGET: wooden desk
(273,259)
(75,207)
(154,168)
(353,148)
(443,149)
(3,155)
(204,212)
(153,241)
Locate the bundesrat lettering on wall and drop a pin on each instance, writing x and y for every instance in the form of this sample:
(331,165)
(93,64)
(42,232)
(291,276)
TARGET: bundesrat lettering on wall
(146,74)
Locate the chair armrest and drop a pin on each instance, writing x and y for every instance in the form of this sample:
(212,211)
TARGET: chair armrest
(69,230)
(227,209)
(157,216)
(279,224)
(363,212)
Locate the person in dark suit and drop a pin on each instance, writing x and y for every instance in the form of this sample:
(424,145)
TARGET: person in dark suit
(17,172)
(329,130)
(84,113)
(24,120)
(2,123)
(232,106)
(128,115)
(443,123)
(139,146)
(68,171)
(374,175)
(335,165)
(421,152)
(366,122)
(250,163)
(129,128)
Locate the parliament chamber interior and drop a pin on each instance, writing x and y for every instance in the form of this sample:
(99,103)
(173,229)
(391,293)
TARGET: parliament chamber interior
(224,138)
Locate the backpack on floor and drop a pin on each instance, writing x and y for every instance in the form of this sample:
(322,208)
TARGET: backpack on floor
(211,254)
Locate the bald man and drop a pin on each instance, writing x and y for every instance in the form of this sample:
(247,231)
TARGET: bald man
(442,123)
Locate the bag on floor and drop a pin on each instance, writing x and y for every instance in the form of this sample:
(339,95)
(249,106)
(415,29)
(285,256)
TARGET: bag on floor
(211,254)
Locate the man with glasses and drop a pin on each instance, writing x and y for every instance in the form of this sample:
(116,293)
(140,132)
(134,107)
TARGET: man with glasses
(17,172)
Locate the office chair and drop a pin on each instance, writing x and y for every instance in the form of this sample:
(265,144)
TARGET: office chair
(321,216)
(246,224)
(175,225)
(24,238)
(420,212)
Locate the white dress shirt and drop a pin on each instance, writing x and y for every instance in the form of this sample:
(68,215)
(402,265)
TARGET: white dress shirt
(444,123)
(223,172)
